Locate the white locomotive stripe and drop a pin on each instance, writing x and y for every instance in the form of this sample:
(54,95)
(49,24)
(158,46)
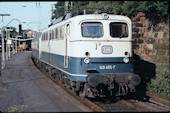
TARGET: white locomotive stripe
(63,70)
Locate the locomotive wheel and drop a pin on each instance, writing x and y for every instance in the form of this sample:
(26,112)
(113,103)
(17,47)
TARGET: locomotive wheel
(66,82)
(73,88)
(53,76)
(83,92)
(60,78)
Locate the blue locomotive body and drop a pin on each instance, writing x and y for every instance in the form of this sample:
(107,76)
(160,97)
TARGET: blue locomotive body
(89,51)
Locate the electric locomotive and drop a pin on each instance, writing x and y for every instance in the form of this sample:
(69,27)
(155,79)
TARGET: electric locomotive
(90,53)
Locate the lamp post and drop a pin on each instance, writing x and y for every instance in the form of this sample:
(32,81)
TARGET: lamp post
(16,37)
(13,20)
(8,42)
(3,51)
(13,47)
(3,54)
(6,45)
(13,39)
(2,35)
(10,22)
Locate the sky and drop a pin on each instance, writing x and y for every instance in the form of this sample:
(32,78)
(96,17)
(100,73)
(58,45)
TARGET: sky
(32,15)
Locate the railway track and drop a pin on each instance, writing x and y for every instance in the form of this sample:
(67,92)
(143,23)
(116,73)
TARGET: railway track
(131,105)
(117,104)
(160,100)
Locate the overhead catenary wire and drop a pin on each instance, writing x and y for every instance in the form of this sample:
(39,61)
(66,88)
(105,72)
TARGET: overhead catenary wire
(43,18)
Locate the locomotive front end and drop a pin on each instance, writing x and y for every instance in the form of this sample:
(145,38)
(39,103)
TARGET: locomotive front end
(105,56)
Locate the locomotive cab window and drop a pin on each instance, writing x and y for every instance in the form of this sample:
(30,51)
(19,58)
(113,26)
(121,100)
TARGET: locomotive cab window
(92,29)
(118,30)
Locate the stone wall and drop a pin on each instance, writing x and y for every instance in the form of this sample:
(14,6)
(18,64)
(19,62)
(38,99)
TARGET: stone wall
(151,43)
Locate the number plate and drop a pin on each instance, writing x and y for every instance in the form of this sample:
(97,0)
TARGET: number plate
(107,67)
(107,49)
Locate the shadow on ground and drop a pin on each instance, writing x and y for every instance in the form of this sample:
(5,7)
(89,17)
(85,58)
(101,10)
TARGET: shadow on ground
(147,71)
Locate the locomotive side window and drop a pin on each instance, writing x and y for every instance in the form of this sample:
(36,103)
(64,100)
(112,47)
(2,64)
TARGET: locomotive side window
(56,33)
(118,29)
(92,29)
(42,37)
(52,34)
(62,32)
(46,35)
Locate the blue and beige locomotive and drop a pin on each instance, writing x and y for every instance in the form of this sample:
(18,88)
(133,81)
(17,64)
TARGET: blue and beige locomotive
(90,53)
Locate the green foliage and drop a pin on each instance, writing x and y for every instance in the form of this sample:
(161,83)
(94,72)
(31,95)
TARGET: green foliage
(59,9)
(79,4)
(161,84)
(128,8)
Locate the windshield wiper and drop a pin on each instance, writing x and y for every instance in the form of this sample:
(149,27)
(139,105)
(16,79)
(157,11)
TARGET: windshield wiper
(123,34)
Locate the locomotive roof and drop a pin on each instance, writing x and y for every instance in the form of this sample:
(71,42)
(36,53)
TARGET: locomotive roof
(80,18)
(100,17)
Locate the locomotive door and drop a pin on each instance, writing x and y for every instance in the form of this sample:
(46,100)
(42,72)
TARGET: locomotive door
(67,34)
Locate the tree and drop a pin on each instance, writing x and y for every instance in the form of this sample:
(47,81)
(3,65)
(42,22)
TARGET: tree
(59,9)
(127,8)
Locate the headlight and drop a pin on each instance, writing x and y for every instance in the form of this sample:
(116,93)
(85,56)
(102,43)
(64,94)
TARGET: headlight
(86,60)
(126,59)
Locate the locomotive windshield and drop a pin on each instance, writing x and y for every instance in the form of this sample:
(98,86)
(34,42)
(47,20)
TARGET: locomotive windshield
(118,30)
(92,29)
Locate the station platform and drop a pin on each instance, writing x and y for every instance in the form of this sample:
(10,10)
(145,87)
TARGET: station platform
(23,88)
